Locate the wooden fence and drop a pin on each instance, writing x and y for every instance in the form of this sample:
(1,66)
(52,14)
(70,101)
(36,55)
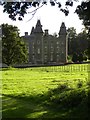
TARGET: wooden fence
(67,68)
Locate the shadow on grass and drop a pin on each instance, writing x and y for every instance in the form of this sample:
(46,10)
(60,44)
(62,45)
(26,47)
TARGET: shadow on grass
(59,103)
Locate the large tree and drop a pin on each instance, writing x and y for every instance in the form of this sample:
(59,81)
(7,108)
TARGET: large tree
(13,48)
(19,9)
(72,43)
(83,12)
(77,43)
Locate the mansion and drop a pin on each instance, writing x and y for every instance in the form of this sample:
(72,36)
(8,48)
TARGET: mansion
(44,48)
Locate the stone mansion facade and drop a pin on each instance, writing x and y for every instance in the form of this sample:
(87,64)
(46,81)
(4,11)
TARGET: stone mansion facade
(44,48)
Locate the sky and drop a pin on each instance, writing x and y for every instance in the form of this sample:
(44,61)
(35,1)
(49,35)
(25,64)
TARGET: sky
(50,17)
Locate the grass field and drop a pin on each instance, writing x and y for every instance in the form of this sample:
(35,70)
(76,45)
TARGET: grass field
(46,92)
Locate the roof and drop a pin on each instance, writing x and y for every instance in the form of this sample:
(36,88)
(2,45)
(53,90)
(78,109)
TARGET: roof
(62,29)
(32,31)
(63,25)
(38,28)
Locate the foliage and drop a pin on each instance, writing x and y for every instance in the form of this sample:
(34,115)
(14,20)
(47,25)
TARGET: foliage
(77,42)
(35,93)
(75,57)
(20,8)
(82,39)
(72,43)
(83,12)
(13,47)
(80,57)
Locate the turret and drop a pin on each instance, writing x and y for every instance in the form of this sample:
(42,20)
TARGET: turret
(63,42)
(38,28)
(62,29)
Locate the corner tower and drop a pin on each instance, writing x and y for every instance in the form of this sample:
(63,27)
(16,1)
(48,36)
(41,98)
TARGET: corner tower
(38,28)
(36,44)
(63,43)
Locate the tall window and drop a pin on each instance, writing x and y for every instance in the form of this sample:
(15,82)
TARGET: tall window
(33,57)
(38,50)
(57,58)
(51,57)
(45,58)
(52,49)
(45,49)
(33,49)
(57,49)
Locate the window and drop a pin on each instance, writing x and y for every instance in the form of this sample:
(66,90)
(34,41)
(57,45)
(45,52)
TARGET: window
(38,51)
(45,58)
(51,57)
(45,49)
(57,58)
(33,43)
(33,49)
(33,46)
(57,49)
(52,49)
(33,57)
(38,42)
(57,42)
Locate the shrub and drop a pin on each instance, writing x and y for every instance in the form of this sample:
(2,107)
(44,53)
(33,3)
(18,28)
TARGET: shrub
(80,57)
(75,57)
(73,99)
(80,84)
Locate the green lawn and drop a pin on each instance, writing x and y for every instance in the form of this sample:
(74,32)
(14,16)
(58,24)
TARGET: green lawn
(45,92)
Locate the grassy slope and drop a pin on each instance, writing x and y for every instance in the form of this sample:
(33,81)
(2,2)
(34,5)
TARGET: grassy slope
(45,92)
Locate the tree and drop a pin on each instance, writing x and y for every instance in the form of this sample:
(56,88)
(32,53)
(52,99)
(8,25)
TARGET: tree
(75,57)
(13,48)
(83,12)
(20,8)
(72,43)
(80,57)
(82,40)
(77,42)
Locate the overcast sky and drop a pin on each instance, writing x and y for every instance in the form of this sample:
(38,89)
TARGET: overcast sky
(51,18)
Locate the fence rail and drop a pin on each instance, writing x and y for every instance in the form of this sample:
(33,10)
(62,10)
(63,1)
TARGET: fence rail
(66,68)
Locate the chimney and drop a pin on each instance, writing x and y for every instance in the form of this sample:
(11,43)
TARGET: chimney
(26,33)
(46,32)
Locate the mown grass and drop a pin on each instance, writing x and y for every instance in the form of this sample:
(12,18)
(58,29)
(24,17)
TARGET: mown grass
(46,92)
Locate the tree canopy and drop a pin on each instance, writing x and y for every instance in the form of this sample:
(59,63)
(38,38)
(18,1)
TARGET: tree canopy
(13,48)
(20,8)
(83,12)
(77,43)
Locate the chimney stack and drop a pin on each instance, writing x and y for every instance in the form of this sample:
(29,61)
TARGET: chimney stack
(46,32)
(26,33)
